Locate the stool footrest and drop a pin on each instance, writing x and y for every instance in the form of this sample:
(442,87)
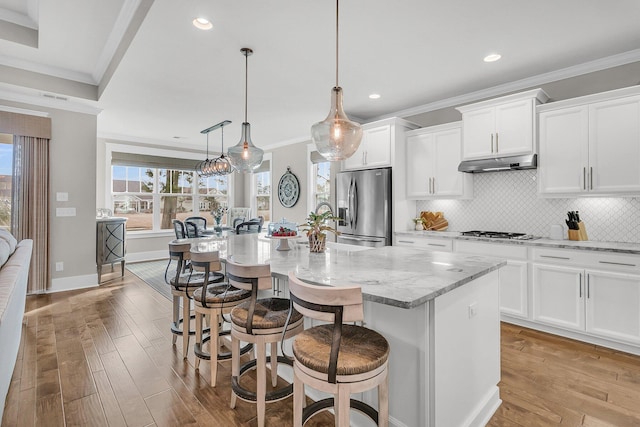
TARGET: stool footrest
(197,349)
(177,330)
(249,395)
(327,403)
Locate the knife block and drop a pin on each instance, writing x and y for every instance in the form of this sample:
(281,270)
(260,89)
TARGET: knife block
(580,233)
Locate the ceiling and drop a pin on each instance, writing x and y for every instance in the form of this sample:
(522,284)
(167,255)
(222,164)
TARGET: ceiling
(159,79)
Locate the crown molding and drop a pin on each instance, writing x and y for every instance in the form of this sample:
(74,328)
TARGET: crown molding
(115,138)
(18,18)
(62,73)
(118,31)
(563,73)
(16,110)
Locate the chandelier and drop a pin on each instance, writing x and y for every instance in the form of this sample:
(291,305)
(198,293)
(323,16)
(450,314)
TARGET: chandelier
(219,165)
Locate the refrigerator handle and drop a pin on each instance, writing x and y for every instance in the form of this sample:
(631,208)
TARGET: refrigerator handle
(350,202)
(355,203)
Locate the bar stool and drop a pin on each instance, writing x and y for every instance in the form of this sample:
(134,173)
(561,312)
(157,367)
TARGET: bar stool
(213,300)
(337,358)
(261,322)
(182,287)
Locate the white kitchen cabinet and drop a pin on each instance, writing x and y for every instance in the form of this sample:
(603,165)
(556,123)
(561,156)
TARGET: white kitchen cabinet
(513,276)
(374,150)
(433,155)
(501,127)
(613,305)
(425,243)
(591,145)
(597,294)
(558,296)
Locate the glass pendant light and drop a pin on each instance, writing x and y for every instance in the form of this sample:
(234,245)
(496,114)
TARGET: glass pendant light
(203,168)
(336,137)
(221,165)
(244,156)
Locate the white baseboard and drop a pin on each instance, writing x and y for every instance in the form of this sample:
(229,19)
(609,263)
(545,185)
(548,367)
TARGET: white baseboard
(72,283)
(489,406)
(146,256)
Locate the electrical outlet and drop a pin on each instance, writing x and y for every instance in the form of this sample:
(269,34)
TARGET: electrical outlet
(473,310)
(59,266)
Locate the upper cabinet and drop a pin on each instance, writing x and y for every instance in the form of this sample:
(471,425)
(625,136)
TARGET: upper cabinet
(378,146)
(591,145)
(501,127)
(433,155)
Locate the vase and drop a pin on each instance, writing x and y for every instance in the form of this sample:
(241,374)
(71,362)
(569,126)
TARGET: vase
(316,243)
(419,226)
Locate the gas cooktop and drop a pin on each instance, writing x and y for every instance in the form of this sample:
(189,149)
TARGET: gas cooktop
(498,235)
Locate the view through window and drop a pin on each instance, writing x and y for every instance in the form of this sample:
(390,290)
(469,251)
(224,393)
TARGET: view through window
(322,182)
(263,194)
(150,198)
(6,178)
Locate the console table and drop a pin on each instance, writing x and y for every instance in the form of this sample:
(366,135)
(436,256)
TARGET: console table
(110,244)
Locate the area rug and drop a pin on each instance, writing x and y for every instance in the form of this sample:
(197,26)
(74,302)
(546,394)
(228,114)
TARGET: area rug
(152,273)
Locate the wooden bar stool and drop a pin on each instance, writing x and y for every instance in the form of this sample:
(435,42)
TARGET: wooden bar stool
(182,287)
(261,322)
(337,358)
(213,300)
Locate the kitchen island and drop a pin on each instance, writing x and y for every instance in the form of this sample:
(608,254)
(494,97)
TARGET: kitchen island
(439,311)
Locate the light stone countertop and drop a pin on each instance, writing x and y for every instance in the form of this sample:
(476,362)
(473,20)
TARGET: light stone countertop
(589,245)
(391,275)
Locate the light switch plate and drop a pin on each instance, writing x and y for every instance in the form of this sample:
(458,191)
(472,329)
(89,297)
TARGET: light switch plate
(65,211)
(62,197)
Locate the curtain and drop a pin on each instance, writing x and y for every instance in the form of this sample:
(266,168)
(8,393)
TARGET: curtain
(30,204)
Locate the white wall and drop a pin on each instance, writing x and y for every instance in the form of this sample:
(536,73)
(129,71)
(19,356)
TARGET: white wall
(508,201)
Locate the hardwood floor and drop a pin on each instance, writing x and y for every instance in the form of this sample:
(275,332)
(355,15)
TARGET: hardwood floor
(103,357)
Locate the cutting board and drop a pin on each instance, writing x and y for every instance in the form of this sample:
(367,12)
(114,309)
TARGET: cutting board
(434,221)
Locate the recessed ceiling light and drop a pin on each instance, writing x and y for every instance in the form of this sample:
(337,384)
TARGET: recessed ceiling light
(202,23)
(374,96)
(492,58)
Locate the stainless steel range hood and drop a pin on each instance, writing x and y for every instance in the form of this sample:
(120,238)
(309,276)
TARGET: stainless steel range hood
(529,161)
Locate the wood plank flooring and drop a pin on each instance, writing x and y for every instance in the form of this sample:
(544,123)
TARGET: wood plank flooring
(103,357)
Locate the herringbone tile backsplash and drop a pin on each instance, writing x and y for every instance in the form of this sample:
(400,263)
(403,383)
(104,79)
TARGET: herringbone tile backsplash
(508,201)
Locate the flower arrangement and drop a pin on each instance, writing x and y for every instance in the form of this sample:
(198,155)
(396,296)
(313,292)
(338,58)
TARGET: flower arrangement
(218,212)
(316,228)
(419,222)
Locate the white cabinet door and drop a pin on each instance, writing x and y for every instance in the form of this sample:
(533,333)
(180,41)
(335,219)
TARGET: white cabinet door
(478,129)
(447,181)
(563,150)
(514,128)
(558,296)
(613,305)
(614,145)
(377,146)
(419,165)
(356,161)
(513,289)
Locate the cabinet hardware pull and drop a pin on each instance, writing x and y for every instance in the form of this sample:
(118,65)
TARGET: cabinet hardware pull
(617,263)
(580,285)
(588,286)
(405,241)
(554,257)
(429,185)
(591,177)
(492,143)
(584,178)
(433,183)
(436,244)
(497,149)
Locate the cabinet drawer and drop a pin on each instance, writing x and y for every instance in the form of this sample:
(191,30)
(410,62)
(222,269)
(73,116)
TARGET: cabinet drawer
(431,244)
(497,250)
(591,259)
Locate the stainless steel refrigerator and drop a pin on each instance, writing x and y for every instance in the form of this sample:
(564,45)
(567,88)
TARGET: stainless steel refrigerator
(364,207)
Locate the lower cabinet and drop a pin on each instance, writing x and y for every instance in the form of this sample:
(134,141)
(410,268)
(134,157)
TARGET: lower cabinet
(600,303)
(430,244)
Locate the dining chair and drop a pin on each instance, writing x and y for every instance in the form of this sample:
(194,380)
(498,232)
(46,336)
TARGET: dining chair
(178,227)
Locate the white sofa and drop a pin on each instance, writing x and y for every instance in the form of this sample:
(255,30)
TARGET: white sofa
(14,258)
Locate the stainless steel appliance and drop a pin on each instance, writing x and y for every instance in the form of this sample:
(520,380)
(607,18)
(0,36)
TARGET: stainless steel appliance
(364,207)
(499,164)
(498,235)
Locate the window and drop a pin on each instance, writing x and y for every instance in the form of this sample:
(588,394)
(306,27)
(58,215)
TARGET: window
(151,197)
(6,179)
(261,189)
(322,182)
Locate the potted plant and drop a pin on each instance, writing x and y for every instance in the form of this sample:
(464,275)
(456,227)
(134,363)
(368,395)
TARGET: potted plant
(316,228)
(419,222)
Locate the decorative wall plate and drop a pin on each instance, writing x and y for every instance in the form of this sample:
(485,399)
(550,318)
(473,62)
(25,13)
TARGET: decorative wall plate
(288,189)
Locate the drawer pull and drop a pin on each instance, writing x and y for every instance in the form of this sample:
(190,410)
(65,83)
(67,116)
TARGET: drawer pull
(617,263)
(554,257)
(405,241)
(436,244)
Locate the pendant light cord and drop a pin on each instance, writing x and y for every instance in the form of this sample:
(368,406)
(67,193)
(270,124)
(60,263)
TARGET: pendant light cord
(207,145)
(246,83)
(337,9)
(222,130)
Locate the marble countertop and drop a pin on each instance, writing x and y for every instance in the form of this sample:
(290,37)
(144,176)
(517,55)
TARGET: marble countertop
(392,275)
(619,247)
